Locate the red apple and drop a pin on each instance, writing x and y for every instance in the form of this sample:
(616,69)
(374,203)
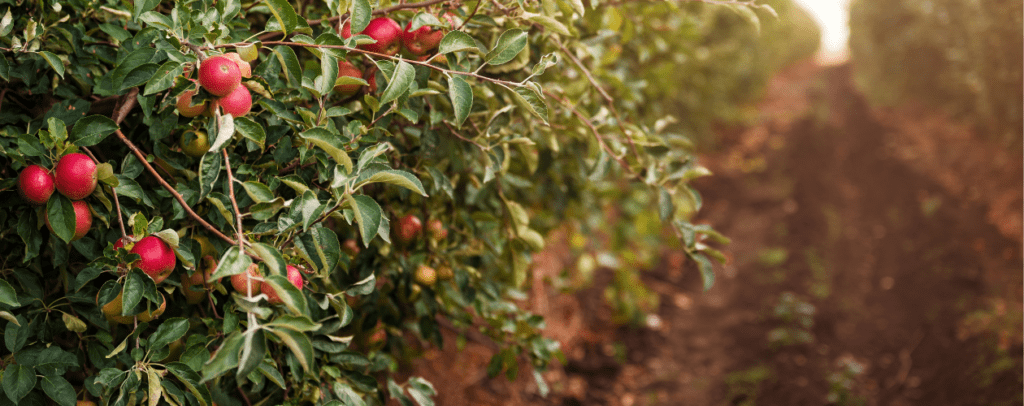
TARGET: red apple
(75,176)
(219,75)
(35,184)
(83,219)
(185,106)
(345,68)
(294,276)
(253,283)
(244,68)
(382,29)
(156,257)
(237,103)
(409,227)
(421,40)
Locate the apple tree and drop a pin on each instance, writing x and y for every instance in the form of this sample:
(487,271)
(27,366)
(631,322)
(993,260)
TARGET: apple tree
(276,203)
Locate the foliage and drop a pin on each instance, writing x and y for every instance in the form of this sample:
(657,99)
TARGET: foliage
(492,135)
(961,56)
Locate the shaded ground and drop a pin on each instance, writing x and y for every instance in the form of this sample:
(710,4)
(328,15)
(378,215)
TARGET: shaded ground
(876,260)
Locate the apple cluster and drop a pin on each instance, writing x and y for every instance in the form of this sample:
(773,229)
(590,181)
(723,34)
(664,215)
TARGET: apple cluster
(391,39)
(74,176)
(221,76)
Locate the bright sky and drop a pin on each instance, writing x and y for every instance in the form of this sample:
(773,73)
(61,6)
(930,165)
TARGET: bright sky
(833,17)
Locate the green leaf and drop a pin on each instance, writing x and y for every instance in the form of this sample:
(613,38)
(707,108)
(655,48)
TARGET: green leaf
(209,171)
(190,379)
(396,177)
(272,374)
(285,15)
(368,216)
(254,350)
(324,82)
(748,14)
(60,214)
(548,22)
(399,83)
(225,359)
(74,324)
(251,131)
(462,98)
(169,331)
(297,323)
(258,192)
(54,62)
(18,381)
(155,388)
(271,258)
(289,64)
(421,391)
(233,262)
(528,98)
(58,389)
(8,295)
(163,79)
(91,130)
(347,395)
(58,131)
(299,344)
(360,13)
(331,144)
(706,271)
(292,297)
(509,44)
(665,205)
(225,130)
(320,248)
(455,41)
(142,6)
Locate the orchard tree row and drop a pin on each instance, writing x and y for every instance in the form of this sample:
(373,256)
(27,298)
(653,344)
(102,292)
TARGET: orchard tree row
(278,203)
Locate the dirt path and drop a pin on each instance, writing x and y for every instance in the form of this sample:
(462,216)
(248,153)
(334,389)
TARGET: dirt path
(857,277)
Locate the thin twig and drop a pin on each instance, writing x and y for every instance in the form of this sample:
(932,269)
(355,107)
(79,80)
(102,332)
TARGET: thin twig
(238,219)
(171,190)
(607,98)
(597,134)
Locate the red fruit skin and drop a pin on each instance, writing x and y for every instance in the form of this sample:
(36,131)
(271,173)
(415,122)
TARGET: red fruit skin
(422,40)
(237,103)
(75,176)
(294,276)
(83,219)
(219,75)
(238,281)
(158,259)
(437,230)
(35,184)
(408,227)
(345,68)
(385,30)
(185,107)
(243,67)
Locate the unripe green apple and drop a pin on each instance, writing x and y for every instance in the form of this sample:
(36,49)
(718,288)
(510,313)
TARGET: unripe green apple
(194,143)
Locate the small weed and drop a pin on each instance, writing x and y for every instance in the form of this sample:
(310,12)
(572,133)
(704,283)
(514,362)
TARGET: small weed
(743,385)
(797,318)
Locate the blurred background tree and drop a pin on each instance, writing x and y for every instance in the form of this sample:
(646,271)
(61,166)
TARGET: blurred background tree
(961,56)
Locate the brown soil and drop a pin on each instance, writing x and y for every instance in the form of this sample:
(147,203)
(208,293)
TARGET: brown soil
(894,233)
